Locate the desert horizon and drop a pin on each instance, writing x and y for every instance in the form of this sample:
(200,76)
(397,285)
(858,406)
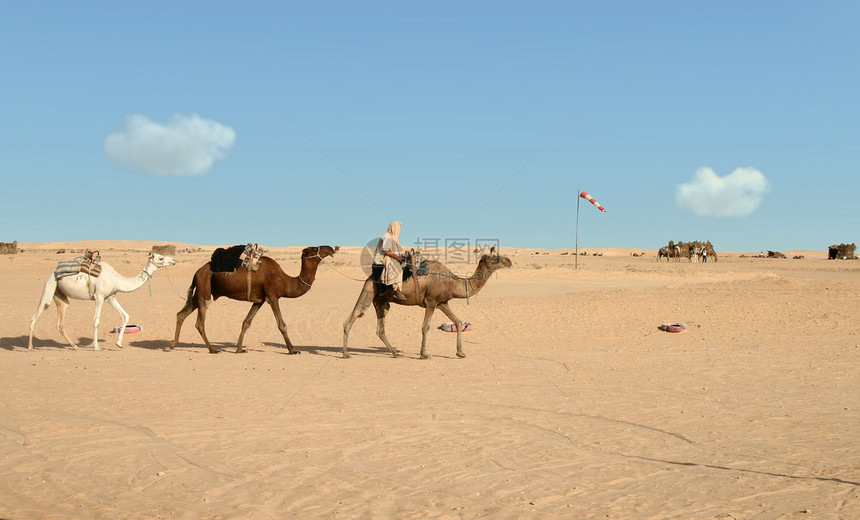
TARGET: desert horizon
(147,244)
(570,402)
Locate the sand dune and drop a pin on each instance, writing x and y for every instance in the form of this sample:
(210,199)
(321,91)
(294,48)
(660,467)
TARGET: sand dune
(570,404)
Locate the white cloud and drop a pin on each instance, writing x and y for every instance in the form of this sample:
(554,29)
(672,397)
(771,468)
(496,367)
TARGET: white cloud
(185,145)
(737,194)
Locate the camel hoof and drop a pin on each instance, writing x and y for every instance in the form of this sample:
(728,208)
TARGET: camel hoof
(425,356)
(461,355)
(397,354)
(294,352)
(345,356)
(214,351)
(240,351)
(119,345)
(96,347)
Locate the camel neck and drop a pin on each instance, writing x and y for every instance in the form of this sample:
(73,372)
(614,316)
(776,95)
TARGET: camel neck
(472,285)
(128,284)
(306,277)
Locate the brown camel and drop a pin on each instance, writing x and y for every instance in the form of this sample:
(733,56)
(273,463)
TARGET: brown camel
(268,284)
(663,251)
(430,291)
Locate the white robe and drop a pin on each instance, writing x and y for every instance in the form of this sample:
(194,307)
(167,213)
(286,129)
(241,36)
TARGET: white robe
(392,273)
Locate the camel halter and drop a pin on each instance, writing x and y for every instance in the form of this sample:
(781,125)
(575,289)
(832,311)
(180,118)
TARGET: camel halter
(317,255)
(148,280)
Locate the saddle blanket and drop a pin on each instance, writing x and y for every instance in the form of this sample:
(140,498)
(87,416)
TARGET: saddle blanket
(67,268)
(87,264)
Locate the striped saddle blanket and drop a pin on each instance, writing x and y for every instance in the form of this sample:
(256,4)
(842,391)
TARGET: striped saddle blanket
(87,264)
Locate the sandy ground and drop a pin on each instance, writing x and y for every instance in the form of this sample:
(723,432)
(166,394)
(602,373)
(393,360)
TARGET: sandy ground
(570,404)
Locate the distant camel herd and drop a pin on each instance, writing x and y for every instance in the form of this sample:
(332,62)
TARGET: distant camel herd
(267,284)
(692,251)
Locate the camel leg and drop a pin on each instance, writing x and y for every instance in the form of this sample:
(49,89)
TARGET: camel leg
(247,323)
(180,318)
(124,315)
(364,301)
(428,315)
(44,302)
(282,325)
(201,327)
(97,313)
(382,307)
(444,307)
(62,303)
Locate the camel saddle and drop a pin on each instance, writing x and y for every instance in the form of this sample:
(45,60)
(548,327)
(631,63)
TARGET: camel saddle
(409,262)
(227,260)
(91,264)
(87,264)
(251,257)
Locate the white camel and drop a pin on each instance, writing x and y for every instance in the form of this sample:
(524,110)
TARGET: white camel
(695,252)
(101,289)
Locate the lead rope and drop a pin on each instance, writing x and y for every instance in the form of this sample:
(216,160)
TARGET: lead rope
(167,274)
(467,292)
(148,280)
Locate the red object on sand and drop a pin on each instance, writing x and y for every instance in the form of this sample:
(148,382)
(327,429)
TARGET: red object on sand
(129,329)
(673,327)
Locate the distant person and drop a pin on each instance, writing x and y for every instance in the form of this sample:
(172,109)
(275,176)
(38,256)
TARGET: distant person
(388,254)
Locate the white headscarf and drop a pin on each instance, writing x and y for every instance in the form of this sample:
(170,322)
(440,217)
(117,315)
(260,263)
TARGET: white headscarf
(394,231)
(389,241)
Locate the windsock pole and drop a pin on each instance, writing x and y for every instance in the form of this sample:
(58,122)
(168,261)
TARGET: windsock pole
(576,259)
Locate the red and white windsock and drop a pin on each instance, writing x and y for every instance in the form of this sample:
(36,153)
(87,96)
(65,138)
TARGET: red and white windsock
(590,199)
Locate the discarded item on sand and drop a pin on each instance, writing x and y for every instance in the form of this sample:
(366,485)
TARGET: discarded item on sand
(129,329)
(448,326)
(673,327)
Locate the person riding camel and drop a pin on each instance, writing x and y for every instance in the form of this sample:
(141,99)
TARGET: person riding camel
(388,253)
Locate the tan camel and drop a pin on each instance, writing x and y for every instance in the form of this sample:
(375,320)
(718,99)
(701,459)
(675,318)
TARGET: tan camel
(430,291)
(267,285)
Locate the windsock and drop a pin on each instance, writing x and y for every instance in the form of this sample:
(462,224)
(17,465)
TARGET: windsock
(590,199)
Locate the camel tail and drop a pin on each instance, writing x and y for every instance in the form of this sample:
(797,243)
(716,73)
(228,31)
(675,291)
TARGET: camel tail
(191,291)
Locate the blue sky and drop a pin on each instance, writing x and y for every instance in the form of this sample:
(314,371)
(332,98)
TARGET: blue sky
(318,123)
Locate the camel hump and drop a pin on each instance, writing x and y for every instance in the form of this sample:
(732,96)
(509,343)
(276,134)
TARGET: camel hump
(435,266)
(226,260)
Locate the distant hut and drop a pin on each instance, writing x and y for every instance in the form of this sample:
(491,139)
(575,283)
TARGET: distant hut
(842,251)
(9,248)
(168,249)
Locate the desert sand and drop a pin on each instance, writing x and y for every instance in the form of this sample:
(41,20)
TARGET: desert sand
(570,404)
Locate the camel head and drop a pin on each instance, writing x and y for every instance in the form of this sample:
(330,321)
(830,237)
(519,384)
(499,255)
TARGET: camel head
(319,252)
(495,262)
(158,260)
